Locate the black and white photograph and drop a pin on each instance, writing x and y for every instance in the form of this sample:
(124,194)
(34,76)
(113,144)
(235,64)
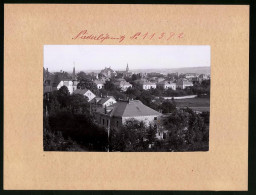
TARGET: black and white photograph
(126,98)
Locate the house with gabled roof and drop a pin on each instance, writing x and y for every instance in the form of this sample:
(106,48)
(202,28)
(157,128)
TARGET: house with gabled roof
(85,92)
(107,101)
(113,117)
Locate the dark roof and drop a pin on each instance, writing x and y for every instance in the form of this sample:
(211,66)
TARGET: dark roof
(80,91)
(166,83)
(131,108)
(104,100)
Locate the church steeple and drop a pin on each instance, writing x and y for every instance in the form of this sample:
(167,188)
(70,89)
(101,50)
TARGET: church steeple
(74,72)
(127,68)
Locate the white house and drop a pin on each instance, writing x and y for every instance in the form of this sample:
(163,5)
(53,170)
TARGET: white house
(85,92)
(71,85)
(123,85)
(100,84)
(148,85)
(182,84)
(145,84)
(167,85)
(107,101)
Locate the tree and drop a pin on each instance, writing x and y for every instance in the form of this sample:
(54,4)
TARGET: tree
(145,97)
(63,96)
(133,93)
(176,124)
(151,136)
(168,106)
(133,136)
(81,76)
(187,131)
(109,85)
(79,104)
(87,84)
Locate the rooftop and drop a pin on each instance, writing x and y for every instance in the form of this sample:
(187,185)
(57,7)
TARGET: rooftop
(132,108)
(80,91)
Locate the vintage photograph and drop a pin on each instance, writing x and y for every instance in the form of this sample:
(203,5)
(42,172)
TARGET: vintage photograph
(126,98)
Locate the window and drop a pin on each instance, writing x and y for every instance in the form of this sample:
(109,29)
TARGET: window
(116,123)
(107,122)
(155,118)
(103,121)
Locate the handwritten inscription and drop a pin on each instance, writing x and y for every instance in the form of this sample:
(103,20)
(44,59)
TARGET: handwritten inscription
(84,34)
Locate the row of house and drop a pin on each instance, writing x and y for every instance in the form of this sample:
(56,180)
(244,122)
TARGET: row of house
(165,84)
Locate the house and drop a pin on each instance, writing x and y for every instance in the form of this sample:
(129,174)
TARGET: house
(85,92)
(70,84)
(107,101)
(122,84)
(167,85)
(203,77)
(146,85)
(99,83)
(183,83)
(108,72)
(113,117)
(62,78)
(190,75)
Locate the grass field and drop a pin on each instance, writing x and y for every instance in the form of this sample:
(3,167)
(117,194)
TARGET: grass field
(198,104)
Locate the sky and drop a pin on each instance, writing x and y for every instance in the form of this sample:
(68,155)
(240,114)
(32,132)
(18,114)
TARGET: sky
(97,57)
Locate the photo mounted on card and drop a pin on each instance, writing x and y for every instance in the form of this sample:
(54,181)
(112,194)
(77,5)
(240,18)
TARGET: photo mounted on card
(126,97)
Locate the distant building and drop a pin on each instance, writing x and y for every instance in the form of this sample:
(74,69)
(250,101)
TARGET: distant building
(71,84)
(99,83)
(85,92)
(125,73)
(122,84)
(203,77)
(155,74)
(113,117)
(190,75)
(146,85)
(167,85)
(183,83)
(108,72)
(107,101)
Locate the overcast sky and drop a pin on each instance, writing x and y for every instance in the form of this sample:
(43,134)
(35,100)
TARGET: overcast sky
(97,57)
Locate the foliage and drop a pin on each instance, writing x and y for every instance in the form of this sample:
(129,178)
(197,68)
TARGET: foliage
(168,106)
(69,116)
(187,131)
(134,136)
(109,85)
(54,141)
(87,84)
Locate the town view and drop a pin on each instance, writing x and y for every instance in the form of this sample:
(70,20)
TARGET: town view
(126,110)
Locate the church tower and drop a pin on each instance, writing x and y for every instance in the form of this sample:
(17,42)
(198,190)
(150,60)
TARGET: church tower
(127,68)
(74,73)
